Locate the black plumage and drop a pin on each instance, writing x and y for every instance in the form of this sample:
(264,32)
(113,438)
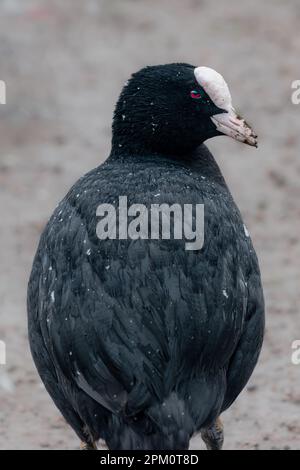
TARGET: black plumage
(140,342)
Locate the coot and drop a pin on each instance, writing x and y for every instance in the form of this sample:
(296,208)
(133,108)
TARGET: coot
(141,342)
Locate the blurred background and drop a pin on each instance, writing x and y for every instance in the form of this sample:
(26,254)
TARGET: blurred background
(64,64)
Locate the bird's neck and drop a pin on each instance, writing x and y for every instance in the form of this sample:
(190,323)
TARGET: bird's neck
(131,145)
(200,160)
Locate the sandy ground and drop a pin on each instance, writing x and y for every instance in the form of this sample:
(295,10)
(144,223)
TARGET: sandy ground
(64,64)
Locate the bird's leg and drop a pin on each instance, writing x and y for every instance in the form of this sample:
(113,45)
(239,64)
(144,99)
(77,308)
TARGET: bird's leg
(88,446)
(87,442)
(214,436)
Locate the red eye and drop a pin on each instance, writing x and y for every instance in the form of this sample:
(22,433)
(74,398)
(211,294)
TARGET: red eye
(196,95)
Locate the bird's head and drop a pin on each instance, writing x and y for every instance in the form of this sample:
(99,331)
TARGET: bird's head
(175,108)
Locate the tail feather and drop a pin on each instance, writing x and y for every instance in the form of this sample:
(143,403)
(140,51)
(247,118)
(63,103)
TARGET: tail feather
(164,426)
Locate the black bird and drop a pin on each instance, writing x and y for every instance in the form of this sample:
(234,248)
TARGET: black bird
(142,342)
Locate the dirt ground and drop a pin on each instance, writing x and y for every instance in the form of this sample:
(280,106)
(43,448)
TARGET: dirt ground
(64,64)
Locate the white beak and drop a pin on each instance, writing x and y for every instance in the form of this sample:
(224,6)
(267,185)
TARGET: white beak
(228,123)
(234,126)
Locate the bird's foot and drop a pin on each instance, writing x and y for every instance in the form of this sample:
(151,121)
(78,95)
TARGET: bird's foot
(214,436)
(102,445)
(88,446)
